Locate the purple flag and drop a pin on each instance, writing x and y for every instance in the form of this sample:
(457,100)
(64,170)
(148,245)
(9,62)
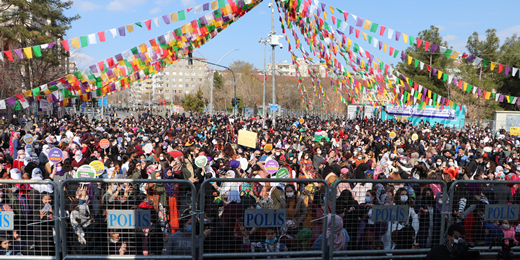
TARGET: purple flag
(225,18)
(351,29)
(479,92)
(54,98)
(470,58)
(359,22)
(380,45)
(52,83)
(358,61)
(162,39)
(11,101)
(318,12)
(82,89)
(51,45)
(166,19)
(30,99)
(506,71)
(122,31)
(434,72)
(518,101)
(397,35)
(434,47)
(323,6)
(422,96)
(455,82)
(19,52)
(113,86)
(205,7)
(501,99)
(403,56)
(204,22)
(371,58)
(241,3)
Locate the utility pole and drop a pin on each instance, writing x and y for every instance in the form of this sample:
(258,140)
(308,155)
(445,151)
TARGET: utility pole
(273,65)
(264,41)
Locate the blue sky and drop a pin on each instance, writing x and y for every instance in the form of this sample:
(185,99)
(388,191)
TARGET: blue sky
(455,19)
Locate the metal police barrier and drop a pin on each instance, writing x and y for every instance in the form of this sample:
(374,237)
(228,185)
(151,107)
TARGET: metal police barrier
(380,223)
(491,201)
(29,219)
(127,219)
(265,223)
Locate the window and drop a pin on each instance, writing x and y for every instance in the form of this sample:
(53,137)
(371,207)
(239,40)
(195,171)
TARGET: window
(187,79)
(180,86)
(174,73)
(200,73)
(173,85)
(174,79)
(200,79)
(200,85)
(200,67)
(192,85)
(180,73)
(167,73)
(167,91)
(166,84)
(192,79)
(180,79)
(193,73)
(174,66)
(174,91)
(187,85)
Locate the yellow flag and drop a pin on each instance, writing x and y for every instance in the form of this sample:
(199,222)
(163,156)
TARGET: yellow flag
(143,48)
(214,5)
(405,38)
(365,36)
(27,93)
(465,86)
(410,58)
(174,17)
(488,94)
(349,43)
(130,28)
(455,55)
(325,15)
(493,64)
(429,93)
(28,52)
(367,24)
(75,43)
(419,96)
(439,74)
(331,9)
(386,46)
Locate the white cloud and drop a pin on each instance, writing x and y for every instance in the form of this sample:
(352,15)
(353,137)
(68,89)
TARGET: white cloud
(155,10)
(449,37)
(86,6)
(188,2)
(508,32)
(441,27)
(124,5)
(82,60)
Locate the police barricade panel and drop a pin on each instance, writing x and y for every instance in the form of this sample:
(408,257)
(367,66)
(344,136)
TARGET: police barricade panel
(263,218)
(489,213)
(128,218)
(29,218)
(384,217)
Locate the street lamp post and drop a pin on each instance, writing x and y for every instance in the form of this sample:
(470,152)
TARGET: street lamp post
(274,41)
(211,83)
(264,41)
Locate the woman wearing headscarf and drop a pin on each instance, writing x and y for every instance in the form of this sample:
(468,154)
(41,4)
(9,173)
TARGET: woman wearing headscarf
(361,187)
(296,210)
(429,219)
(340,237)
(44,226)
(172,190)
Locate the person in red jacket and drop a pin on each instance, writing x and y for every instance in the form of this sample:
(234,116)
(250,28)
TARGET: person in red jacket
(78,160)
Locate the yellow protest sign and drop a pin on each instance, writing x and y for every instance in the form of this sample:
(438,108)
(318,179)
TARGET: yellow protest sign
(514,131)
(247,138)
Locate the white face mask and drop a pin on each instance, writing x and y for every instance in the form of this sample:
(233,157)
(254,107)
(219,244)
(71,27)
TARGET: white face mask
(403,162)
(505,226)
(404,198)
(450,164)
(277,153)
(318,152)
(59,168)
(440,201)
(306,157)
(487,165)
(289,194)
(161,158)
(360,158)
(439,163)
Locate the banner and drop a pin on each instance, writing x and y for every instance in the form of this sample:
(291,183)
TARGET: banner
(447,117)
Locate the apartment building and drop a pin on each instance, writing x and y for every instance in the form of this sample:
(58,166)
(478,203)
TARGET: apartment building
(286,68)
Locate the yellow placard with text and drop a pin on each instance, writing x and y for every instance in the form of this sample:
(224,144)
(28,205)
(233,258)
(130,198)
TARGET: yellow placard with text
(247,138)
(514,131)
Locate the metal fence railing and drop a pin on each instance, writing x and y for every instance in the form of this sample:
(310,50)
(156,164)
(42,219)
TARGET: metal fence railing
(29,219)
(251,218)
(128,218)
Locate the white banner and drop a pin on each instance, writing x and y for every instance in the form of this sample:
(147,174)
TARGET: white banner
(425,112)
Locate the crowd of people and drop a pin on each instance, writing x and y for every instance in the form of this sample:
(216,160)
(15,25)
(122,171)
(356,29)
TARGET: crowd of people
(324,152)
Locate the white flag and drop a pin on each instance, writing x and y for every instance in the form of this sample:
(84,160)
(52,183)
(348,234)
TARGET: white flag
(44,46)
(421,65)
(450,79)
(420,88)
(477,61)
(2,104)
(497,96)
(114,33)
(376,41)
(355,17)
(25,104)
(157,21)
(474,90)
(127,54)
(344,26)
(514,71)
(1,56)
(390,33)
(514,100)
(198,9)
(430,102)
(442,49)
(92,39)
(169,37)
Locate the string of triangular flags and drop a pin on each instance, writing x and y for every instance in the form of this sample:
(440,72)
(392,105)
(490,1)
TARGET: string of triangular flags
(406,38)
(401,95)
(133,65)
(93,38)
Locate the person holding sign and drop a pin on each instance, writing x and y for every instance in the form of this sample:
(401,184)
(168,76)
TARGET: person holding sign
(296,210)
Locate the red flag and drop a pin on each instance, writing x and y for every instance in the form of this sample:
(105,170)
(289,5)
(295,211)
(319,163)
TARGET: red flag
(428,67)
(9,55)
(382,30)
(416,86)
(426,45)
(464,55)
(500,67)
(419,42)
(391,51)
(148,24)
(65,44)
(110,62)
(357,33)
(333,19)
(189,9)
(101,36)
(20,97)
(100,65)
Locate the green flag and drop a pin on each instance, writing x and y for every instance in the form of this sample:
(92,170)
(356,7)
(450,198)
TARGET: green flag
(444,77)
(412,40)
(395,53)
(18,106)
(84,41)
(374,27)
(221,3)
(448,53)
(36,92)
(134,51)
(485,63)
(416,63)
(468,89)
(139,24)
(369,39)
(37,51)
(181,15)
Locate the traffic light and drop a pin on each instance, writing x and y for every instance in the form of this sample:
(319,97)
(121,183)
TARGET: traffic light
(190,59)
(234,102)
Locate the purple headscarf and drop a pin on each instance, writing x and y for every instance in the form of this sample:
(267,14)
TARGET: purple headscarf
(170,187)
